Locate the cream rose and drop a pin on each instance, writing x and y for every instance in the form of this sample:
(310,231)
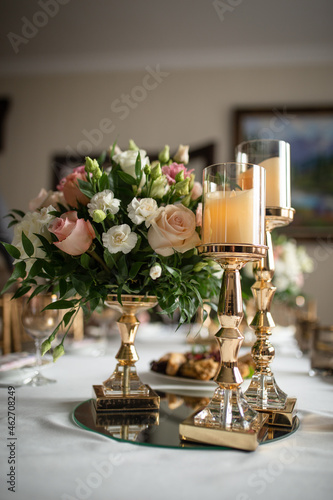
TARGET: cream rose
(173,228)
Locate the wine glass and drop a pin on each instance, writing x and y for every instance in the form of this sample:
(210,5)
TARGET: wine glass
(39,324)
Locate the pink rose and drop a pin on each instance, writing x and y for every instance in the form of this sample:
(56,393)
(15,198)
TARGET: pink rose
(70,187)
(46,198)
(75,235)
(173,228)
(196,191)
(170,171)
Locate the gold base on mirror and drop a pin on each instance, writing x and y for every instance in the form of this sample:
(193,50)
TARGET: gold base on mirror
(123,390)
(283,417)
(120,403)
(240,439)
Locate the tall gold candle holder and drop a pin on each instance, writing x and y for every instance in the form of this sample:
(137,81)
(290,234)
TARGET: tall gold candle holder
(123,390)
(232,235)
(264,394)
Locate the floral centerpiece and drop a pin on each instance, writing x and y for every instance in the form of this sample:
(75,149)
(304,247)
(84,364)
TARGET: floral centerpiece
(131,228)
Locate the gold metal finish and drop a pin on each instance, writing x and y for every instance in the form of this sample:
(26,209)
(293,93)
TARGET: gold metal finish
(239,438)
(123,390)
(264,393)
(228,420)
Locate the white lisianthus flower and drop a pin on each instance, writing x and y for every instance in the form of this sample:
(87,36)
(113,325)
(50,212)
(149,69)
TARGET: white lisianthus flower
(127,160)
(104,201)
(155,271)
(142,210)
(31,224)
(119,239)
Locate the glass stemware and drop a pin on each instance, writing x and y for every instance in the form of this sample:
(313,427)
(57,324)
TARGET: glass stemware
(39,324)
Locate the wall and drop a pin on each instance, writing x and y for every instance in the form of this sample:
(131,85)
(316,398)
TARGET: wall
(53,114)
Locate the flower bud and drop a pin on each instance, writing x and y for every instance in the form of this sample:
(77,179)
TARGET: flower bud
(158,187)
(132,146)
(182,187)
(92,167)
(180,176)
(46,346)
(156,172)
(199,266)
(155,271)
(99,216)
(182,155)
(186,200)
(57,352)
(192,181)
(164,155)
(147,169)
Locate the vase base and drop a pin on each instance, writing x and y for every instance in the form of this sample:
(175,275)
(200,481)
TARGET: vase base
(234,438)
(125,402)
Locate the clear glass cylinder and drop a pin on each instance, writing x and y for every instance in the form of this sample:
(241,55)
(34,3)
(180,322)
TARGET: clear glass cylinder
(274,155)
(233,204)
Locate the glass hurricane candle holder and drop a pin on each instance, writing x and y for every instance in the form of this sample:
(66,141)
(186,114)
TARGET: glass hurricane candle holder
(264,393)
(232,235)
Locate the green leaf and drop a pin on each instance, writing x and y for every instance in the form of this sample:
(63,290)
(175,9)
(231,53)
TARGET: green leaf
(172,271)
(101,159)
(127,178)
(36,268)
(38,289)
(19,212)
(49,269)
(68,316)
(27,245)
(21,291)
(62,287)
(19,270)
(86,188)
(135,268)
(13,251)
(85,260)
(9,283)
(103,182)
(79,286)
(60,304)
(138,171)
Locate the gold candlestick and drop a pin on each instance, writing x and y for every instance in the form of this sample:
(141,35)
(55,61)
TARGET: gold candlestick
(264,394)
(123,390)
(233,211)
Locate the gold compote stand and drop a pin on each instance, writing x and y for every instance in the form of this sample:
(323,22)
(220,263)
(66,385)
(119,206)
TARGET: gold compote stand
(263,393)
(123,390)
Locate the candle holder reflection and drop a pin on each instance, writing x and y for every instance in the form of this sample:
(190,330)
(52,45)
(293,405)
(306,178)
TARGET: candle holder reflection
(264,394)
(233,234)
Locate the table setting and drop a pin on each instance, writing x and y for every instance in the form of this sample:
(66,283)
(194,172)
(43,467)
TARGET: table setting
(136,236)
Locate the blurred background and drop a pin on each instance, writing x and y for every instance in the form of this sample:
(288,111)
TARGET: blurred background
(76,75)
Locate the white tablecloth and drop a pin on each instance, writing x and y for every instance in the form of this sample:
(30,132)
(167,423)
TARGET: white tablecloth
(55,459)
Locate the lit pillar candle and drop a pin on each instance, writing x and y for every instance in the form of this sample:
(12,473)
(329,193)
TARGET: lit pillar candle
(229,218)
(277,182)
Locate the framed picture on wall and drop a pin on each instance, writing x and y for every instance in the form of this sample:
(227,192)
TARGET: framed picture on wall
(309,131)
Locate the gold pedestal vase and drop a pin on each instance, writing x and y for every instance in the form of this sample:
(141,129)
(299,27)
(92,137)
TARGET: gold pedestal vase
(263,393)
(123,390)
